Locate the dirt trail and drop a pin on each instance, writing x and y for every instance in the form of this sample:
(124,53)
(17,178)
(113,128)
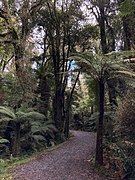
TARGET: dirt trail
(68,162)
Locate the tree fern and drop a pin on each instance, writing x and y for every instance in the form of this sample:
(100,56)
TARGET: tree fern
(101,67)
(97,64)
(38,123)
(7,112)
(35,116)
(38,138)
(42,128)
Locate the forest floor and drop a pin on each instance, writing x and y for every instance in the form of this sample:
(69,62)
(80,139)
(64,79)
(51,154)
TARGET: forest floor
(71,161)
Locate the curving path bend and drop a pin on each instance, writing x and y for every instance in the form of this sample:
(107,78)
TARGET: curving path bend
(67,162)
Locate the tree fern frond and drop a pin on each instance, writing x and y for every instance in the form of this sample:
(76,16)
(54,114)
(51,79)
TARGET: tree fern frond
(86,64)
(35,116)
(40,128)
(5,119)
(20,114)
(38,138)
(52,127)
(35,129)
(122,54)
(96,65)
(7,112)
(35,123)
(3,140)
(126,73)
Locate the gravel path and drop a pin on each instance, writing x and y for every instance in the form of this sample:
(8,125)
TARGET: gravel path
(67,162)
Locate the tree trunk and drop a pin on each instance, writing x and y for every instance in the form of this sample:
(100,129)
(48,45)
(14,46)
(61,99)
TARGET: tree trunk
(102,29)
(68,107)
(127,34)
(66,127)
(99,142)
(16,140)
(44,90)
(58,110)
(112,83)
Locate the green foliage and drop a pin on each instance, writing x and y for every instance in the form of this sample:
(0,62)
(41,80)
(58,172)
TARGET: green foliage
(127,8)
(92,91)
(99,65)
(17,116)
(42,128)
(87,36)
(2,140)
(124,132)
(33,127)
(34,116)
(6,164)
(126,117)
(7,112)
(11,90)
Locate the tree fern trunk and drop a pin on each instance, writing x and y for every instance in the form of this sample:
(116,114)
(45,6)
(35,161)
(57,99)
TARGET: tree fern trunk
(99,142)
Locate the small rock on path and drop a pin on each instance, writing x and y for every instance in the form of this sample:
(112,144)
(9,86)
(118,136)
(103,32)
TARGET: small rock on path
(67,162)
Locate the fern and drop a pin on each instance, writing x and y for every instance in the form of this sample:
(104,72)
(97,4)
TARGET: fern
(96,65)
(35,116)
(7,112)
(52,127)
(3,140)
(40,128)
(5,119)
(38,138)
(37,127)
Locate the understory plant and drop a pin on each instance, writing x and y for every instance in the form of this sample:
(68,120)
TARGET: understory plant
(25,130)
(120,153)
(124,133)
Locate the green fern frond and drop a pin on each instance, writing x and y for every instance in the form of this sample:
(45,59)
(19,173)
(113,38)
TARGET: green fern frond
(38,138)
(35,123)
(37,127)
(96,65)
(5,111)
(52,127)
(34,129)
(5,119)
(20,114)
(3,140)
(35,116)
(126,73)
(120,54)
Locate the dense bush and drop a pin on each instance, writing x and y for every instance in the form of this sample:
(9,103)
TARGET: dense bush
(125,133)
(125,123)
(24,131)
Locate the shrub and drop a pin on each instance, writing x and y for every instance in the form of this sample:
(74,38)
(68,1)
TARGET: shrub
(125,133)
(126,117)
